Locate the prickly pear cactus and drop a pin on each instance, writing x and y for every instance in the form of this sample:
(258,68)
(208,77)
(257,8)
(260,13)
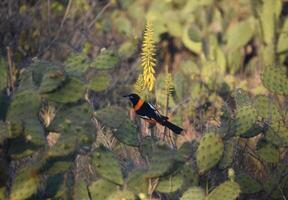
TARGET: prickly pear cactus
(72,91)
(266,108)
(267,151)
(105,60)
(106,165)
(248,184)
(100,82)
(246,117)
(209,151)
(25,184)
(277,134)
(118,121)
(127,195)
(170,183)
(193,193)
(52,81)
(162,162)
(229,190)
(228,154)
(80,191)
(3,132)
(241,97)
(101,189)
(136,181)
(274,78)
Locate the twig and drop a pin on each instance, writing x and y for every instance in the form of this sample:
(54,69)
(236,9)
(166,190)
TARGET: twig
(10,69)
(99,14)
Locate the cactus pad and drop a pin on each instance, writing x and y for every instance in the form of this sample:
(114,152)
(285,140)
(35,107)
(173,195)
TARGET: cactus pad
(267,151)
(72,91)
(274,78)
(246,117)
(136,181)
(80,191)
(122,195)
(170,184)
(190,176)
(101,189)
(266,108)
(228,155)
(52,81)
(193,193)
(241,97)
(3,132)
(277,134)
(100,82)
(248,184)
(162,162)
(107,166)
(209,151)
(105,60)
(25,184)
(118,121)
(229,190)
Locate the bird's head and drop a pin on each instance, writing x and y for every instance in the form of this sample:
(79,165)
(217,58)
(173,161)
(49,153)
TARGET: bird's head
(134,98)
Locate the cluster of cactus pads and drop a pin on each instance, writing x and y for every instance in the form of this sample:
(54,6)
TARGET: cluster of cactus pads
(48,123)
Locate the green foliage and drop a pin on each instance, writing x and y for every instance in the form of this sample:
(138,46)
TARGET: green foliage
(101,189)
(209,152)
(100,82)
(268,152)
(105,60)
(3,74)
(25,184)
(117,120)
(125,194)
(274,78)
(72,91)
(136,181)
(170,184)
(193,193)
(226,191)
(248,184)
(80,191)
(106,165)
(266,108)
(228,154)
(52,81)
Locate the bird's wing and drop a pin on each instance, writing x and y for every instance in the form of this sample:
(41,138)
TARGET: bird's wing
(155,110)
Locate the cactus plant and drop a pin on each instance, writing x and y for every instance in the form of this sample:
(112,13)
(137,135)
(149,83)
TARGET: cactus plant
(193,193)
(248,184)
(266,108)
(228,154)
(125,194)
(267,151)
(107,166)
(117,120)
(228,190)
(80,191)
(274,78)
(209,151)
(170,184)
(105,60)
(25,184)
(189,174)
(100,82)
(52,81)
(136,181)
(101,189)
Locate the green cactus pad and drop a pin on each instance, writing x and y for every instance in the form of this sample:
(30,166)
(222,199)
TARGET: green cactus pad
(146,147)
(228,155)
(266,108)
(241,97)
(277,134)
(267,151)
(106,165)
(53,167)
(186,150)
(100,82)
(274,78)
(77,64)
(136,181)
(3,74)
(52,81)
(2,192)
(246,117)
(190,175)
(118,121)
(25,184)
(229,190)
(193,193)
(57,186)
(25,105)
(102,189)
(209,151)
(105,60)
(162,162)
(72,91)
(121,195)
(170,184)
(80,191)
(4,132)
(248,184)
(66,145)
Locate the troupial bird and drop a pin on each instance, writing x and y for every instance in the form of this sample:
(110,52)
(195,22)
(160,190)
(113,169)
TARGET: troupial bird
(148,112)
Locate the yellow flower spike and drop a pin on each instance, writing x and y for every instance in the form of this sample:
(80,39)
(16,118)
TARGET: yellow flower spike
(148,62)
(139,85)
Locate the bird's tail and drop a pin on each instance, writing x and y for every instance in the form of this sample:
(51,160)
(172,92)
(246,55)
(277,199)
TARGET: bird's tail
(173,127)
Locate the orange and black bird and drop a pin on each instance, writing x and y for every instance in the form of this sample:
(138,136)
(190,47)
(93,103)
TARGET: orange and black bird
(149,113)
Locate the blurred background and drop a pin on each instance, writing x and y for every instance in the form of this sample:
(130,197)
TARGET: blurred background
(206,50)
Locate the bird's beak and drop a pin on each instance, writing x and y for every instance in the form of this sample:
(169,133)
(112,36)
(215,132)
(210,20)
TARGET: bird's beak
(125,95)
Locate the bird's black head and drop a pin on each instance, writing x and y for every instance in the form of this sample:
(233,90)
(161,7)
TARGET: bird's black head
(134,98)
